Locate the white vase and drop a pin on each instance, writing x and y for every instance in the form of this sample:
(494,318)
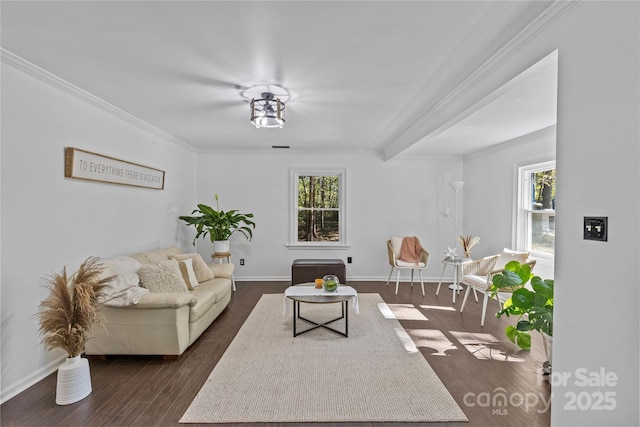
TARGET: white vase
(74,381)
(220,246)
(547,340)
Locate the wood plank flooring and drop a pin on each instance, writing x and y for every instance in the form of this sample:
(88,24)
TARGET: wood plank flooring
(494,382)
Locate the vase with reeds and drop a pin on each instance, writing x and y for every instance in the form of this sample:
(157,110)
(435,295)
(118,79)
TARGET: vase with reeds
(66,318)
(467,243)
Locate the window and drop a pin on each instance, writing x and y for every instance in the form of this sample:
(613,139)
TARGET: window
(535,221)
(318,202)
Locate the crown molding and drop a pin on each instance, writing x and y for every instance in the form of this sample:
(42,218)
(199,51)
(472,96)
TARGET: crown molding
(33,70)
(428,120)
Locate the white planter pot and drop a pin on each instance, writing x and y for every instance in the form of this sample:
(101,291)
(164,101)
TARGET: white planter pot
(547,340)
(220,246)
(74,381)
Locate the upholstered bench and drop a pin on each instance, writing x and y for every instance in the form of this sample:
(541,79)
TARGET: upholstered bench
(307,270)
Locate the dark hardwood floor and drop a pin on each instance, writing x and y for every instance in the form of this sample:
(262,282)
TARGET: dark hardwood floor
(494,382)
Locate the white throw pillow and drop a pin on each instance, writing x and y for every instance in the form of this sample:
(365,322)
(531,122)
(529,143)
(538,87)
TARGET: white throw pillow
(202,270)
(508,255)
(164,276)
(189,276)
(396,245)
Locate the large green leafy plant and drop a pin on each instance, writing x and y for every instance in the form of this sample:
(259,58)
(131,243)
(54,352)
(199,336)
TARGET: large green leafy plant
(532,308)
(218,224)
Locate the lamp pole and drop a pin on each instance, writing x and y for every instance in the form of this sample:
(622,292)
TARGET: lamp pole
(456,186)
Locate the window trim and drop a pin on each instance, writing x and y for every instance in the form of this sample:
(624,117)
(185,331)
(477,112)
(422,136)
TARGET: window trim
(294,173)
(520,233)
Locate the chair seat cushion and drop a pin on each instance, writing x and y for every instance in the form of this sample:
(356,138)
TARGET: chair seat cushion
(400,263)
(478,282)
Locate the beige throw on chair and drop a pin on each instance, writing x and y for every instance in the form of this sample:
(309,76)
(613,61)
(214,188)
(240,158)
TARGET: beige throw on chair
(412,250)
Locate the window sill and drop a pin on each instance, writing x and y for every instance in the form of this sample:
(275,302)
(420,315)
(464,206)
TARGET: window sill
(338,246)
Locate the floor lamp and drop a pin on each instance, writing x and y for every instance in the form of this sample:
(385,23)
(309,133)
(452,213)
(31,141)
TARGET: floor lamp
(456,186)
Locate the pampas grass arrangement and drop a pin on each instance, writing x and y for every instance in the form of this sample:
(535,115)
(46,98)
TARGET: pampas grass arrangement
(72,307)
(468,242)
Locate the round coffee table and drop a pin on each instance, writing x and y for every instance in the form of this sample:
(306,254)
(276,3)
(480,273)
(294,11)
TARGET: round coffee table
(309,294)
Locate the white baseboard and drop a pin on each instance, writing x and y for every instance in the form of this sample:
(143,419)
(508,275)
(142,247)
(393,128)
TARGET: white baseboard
(20,386)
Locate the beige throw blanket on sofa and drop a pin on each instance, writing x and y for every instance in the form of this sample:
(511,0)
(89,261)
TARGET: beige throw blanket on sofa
(411,249)
(124,290)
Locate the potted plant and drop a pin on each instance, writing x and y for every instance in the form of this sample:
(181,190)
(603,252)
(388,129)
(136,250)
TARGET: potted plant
(66,318)
(219,225)
(533,308)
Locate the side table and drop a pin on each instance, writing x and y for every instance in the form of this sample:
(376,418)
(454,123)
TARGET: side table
(457,264)
(219,256)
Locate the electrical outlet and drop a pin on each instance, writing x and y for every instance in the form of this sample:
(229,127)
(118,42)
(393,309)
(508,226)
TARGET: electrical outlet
(595,228)
(241,261)
(349,260)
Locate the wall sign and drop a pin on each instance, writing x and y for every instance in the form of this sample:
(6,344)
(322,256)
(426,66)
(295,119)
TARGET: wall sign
(81,164)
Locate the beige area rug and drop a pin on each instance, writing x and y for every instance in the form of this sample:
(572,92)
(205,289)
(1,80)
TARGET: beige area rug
(267,375)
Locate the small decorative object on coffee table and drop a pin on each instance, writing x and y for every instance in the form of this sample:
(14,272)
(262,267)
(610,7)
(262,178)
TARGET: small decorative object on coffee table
(330,283)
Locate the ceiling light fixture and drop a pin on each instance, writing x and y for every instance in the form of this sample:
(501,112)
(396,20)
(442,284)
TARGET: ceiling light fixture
(267,112)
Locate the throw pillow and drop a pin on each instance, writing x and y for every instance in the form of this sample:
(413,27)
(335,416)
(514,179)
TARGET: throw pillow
(164,276)
(189,276)
(202,270)
(508,255)
(396,244)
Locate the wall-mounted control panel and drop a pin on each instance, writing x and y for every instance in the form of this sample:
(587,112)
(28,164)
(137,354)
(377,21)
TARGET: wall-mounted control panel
(595,228)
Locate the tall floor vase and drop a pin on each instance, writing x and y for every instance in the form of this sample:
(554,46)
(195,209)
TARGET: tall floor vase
(74,381)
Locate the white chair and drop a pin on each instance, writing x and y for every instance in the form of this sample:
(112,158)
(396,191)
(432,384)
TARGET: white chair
(393,252)
(478,275)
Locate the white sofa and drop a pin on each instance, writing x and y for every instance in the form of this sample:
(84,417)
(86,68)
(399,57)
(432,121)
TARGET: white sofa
(162,323)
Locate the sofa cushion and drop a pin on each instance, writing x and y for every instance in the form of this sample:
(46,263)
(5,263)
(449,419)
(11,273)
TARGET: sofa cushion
(189,276)
(223,270)
(164,276)
(207,294)
(202,270)
(154,257)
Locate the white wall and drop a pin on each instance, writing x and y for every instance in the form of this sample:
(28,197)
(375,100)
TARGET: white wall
(403,197)
(49,221)
(598,162)
(490,191)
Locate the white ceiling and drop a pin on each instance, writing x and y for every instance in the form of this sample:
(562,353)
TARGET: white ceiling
(359,73)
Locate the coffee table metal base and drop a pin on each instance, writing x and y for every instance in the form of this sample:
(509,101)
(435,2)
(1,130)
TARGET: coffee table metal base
(345,316)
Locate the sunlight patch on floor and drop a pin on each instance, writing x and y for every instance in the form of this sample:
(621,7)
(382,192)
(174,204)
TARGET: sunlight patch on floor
(406,312)
(406,340)
(484,346)
(386,311)
(437,307)
(431,338)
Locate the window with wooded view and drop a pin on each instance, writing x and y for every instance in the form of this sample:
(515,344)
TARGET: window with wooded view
(318,212)
(536,219)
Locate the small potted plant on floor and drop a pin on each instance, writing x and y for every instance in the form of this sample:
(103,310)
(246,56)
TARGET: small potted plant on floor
(66,317)
(533,308)
(219,225)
